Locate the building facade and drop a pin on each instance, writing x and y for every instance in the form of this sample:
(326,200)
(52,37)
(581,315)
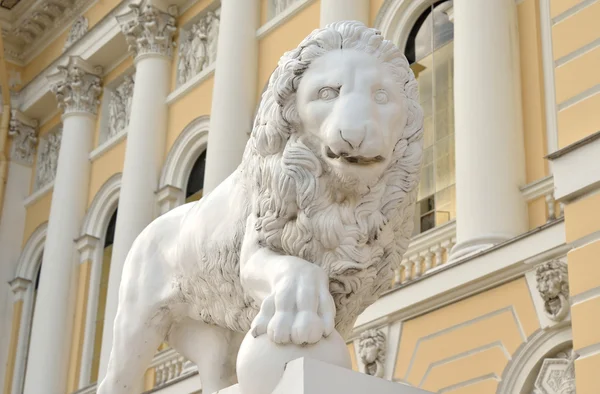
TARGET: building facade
(119,111)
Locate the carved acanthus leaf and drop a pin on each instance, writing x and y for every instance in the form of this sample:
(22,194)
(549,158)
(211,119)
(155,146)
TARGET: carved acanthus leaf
(24,134)
(77,86)
(120,107)
(78,30)
(553,286)
(148,29)
(371,349)
(198,46)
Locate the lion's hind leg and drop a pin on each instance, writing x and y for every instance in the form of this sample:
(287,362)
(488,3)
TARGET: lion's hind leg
(213,349)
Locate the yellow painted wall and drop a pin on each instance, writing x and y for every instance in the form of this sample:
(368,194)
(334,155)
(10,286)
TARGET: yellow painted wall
(584,269)
(353,360)
(586,373)
(375,6)
(585,321)
(37,213)
(576,31)
(578,75)
(532,89)
(467,339)
(582,217)
(104,167)
(189,107)
(578,121)
(282,39)
(537,211)
(12,347)
(557,7)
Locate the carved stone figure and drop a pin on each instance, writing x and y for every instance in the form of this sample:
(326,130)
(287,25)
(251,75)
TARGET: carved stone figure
(119,107)
(47,160)
(371,349)
(78,30)
(282,5)
(303,236)
(557,375)
(24,133)
(553,286)
(198,47)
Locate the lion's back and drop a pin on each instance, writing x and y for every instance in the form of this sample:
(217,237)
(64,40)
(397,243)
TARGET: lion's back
(208,257)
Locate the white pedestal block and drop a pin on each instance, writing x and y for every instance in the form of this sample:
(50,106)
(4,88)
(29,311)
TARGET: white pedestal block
(308,376)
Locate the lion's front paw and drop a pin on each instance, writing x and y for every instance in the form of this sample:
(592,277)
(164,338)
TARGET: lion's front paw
(300,310)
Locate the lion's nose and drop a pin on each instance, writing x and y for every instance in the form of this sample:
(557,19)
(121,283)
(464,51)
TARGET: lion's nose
(353,136)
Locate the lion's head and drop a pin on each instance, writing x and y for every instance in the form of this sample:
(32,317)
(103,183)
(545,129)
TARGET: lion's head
(333,161)
(553,286)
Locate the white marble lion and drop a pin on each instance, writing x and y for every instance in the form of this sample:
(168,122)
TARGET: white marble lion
(313,222)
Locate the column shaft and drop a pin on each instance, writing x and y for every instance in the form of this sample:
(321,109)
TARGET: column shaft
(490,159)
(51,329)
(146,137)
(234,91)
(340,10)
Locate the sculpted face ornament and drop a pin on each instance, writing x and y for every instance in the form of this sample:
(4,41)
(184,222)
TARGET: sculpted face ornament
(298,241)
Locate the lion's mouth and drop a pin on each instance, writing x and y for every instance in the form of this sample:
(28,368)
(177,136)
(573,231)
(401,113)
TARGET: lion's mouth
(361,160)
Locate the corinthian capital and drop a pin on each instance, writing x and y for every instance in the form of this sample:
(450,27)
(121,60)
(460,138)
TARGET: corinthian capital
(77,86)
(148,29)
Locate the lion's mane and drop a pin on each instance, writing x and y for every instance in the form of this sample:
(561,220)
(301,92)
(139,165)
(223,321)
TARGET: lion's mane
(302,209)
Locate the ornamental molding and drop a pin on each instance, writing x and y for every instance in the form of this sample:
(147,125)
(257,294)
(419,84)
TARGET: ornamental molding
(47,159)
(19,286)
(24,133)
(371,350)
(78,30)
(553,287)
(198,46)
(557,374)
(149,30)
(77,86)
(31,27)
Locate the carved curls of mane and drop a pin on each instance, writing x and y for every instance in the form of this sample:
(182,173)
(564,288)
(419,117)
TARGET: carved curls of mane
(284,176)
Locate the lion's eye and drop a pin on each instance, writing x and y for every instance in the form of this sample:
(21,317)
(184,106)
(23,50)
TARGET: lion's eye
(328,93)
(381,97)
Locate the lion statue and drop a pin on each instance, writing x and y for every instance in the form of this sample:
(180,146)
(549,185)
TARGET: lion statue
(303,236)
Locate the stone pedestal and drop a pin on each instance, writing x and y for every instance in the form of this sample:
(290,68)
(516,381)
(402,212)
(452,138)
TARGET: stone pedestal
(308,376)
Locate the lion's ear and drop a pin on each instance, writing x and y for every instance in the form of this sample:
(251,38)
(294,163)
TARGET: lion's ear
(414,120)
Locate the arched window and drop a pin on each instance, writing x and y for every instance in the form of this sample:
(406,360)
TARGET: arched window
(36,285)
(106,257)
(430,52)
(195,183)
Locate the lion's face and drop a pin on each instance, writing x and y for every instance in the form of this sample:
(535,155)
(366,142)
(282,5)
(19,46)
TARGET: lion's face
(356,110)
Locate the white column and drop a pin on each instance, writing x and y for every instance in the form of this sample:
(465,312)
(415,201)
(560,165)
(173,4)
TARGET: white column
(341,10)
(151,44)
(77,87)
(490,158)
(12,222)
(234,91)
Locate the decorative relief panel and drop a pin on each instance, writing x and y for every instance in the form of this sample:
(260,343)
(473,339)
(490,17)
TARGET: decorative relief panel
(47,159)
(557,375)
(78,30)
(371,349)
(119,107)
(281,5)
(77,86)
(24,134)
(553,287)
(198,46)
(149,30)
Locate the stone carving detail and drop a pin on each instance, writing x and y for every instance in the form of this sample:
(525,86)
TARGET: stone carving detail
(24,133)
(282,5)
(78,30)
(371,349)
(553,287)
(557,375)
(47,158)
(77,86)
(296,242)
(149,30)
(198,48)
(119,108)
